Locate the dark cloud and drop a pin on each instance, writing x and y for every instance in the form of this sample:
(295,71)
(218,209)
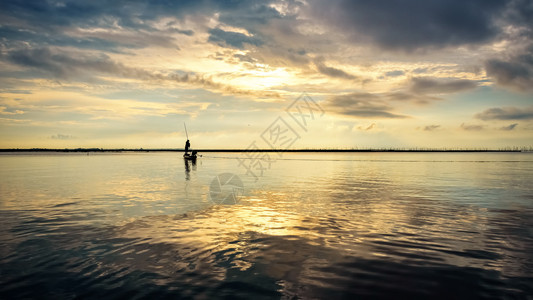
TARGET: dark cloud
(410,25)
(133,14)
(520,12)
(51,15)
(472,127)
(332,72)
(361,105)
(105,42)
(64,66)
(53,23)
(184,32)
(249,14)
(425,85)
(509,127)
(421,90)
(506,113)
(516,72)
(232,39)
(410,97)
(398,25)
(431,127)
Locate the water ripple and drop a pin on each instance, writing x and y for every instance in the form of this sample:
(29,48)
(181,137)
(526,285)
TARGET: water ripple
(358,229)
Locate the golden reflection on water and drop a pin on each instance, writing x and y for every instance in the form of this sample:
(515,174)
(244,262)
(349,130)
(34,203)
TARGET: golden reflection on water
(314,220)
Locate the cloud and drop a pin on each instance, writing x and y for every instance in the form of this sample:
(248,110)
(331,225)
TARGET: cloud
(407,25)
(62,65)
(232,39)
(370,127)
(332,72)
(361,105)
(515,72)
(472,127)
(506,113)
(509,127)
(425,85)
(410,96)
(520,12)
(412,25)
(249,14)
(431,127)
(5,111)
(209,83)
(421,90)
(276,55)
(185,32)
(50,15)
(109,41)
(394,73)
(109,26)
(244,58)
(60,136)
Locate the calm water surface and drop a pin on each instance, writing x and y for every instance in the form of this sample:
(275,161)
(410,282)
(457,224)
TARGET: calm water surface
(367,225)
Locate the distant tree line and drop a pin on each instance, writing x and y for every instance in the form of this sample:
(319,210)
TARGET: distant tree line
(391,149)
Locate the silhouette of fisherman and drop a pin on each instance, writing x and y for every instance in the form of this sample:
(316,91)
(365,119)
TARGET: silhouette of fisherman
(187,146)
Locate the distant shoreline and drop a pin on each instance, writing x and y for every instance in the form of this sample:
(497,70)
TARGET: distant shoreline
(514,149)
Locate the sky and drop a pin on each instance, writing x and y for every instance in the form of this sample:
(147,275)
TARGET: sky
(266,74)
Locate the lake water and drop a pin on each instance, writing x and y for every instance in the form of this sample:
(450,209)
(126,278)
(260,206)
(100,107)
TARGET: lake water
(314,225)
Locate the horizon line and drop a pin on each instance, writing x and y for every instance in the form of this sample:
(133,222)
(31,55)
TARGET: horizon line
(382,149)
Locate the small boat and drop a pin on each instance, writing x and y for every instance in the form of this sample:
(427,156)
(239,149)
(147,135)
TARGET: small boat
(190,156)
